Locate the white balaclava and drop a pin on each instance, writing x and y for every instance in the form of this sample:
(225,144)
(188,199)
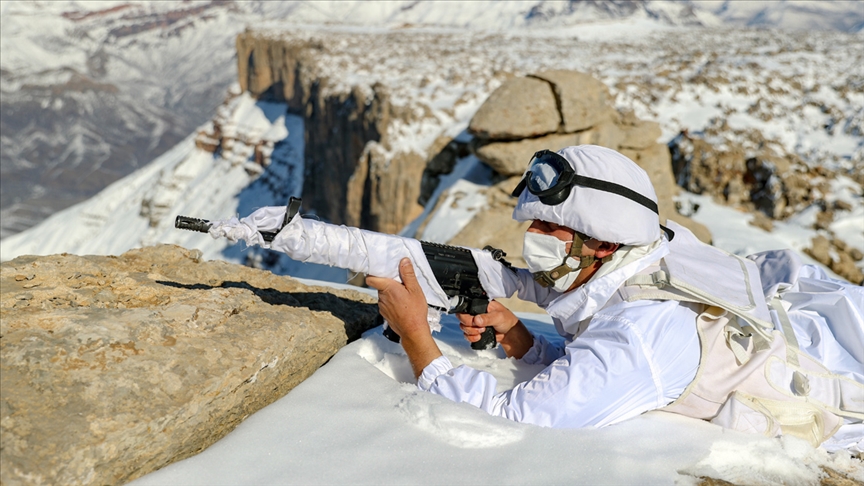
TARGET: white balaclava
(595,213)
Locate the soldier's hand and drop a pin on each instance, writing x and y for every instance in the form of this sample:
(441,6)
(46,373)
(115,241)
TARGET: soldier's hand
(497,316)
(403,305)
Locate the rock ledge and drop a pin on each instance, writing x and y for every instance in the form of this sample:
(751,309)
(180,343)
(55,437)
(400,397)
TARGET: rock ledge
(113,367)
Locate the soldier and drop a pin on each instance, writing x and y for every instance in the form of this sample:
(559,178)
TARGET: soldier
(650,317)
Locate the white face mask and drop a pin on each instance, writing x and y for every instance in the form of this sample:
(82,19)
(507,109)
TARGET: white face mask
(546,252)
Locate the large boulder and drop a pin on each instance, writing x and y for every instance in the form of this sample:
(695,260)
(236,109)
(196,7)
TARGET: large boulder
(511,158)
(113,367)
(519,108)
(584,99)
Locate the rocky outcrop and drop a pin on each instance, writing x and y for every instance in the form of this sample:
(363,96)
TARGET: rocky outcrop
(237,144)
(511,158)
(113,367)
(520,108)
(352,174)
(760,176)
(838,256)
(583,100)
(360,171)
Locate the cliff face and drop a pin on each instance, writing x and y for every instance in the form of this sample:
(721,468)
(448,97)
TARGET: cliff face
(357,173)
(350,176)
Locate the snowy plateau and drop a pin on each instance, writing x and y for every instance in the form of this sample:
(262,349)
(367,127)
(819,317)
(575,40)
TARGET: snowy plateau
(93,91)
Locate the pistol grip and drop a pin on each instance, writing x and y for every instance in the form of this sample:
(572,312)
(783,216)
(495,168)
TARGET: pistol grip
(387,331)
(487,340)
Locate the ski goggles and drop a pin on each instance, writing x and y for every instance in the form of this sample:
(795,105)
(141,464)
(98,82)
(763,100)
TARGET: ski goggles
(551,178)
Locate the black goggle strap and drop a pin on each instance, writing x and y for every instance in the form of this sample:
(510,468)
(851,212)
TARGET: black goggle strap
(520,187)
(614,188)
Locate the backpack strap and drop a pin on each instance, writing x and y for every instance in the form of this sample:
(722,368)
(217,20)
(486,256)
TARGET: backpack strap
(671,288)
(788,333)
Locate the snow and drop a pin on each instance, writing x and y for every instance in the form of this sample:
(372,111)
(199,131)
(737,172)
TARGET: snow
(361,420)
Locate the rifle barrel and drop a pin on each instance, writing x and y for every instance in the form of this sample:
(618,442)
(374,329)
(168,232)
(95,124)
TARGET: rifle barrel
(203,226)
(192,224)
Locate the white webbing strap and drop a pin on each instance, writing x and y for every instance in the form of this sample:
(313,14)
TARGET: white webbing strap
(657,279)
(817,385)
(734,335)
(661,279)
(788,332)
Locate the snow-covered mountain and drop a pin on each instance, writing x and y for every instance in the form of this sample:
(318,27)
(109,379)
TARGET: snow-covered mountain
(140,208)
(92,91)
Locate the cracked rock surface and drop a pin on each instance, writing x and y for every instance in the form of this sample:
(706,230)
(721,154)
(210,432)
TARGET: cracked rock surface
(113,367)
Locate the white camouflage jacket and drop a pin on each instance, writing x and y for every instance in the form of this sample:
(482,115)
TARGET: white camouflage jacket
(620,359)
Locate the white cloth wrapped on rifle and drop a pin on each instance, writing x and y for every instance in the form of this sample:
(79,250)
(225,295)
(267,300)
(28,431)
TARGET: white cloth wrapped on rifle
(357,250)
(372,253)
(353,249)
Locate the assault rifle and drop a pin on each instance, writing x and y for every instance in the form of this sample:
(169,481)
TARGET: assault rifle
(454,269)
